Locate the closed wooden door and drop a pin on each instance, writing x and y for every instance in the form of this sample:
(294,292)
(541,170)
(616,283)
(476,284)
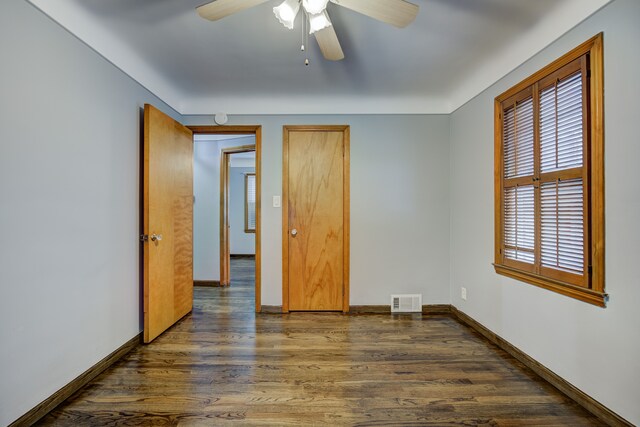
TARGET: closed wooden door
(316,218)
(168,222)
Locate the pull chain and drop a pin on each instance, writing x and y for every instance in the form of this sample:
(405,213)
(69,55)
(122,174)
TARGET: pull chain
(302,35)
(305,36)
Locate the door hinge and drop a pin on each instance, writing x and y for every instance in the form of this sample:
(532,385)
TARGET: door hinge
(144,237)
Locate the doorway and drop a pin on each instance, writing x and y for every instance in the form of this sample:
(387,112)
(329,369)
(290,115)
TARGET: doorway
(249,209)
(225,154)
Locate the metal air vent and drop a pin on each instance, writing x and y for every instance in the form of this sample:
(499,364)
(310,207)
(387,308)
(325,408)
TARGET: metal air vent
(409,303)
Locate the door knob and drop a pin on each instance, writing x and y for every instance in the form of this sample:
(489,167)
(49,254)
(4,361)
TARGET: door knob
(294,232)
(156,237)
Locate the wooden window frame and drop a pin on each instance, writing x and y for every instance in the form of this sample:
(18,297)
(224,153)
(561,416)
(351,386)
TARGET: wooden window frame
(246,203)
(589,56)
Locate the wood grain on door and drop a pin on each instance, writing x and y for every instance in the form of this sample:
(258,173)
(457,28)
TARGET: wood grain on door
(316,235)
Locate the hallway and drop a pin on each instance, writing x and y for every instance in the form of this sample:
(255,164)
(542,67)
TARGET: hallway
(223,363)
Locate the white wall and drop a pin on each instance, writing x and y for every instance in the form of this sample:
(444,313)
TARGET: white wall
(206,211)
(240,243)
(597,350)
(399,204)
(69,207)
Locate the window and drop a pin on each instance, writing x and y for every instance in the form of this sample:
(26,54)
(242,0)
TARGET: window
(549,177)
(250,203)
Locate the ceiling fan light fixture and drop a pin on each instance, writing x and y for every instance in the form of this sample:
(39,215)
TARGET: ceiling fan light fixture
(286,12)
(318,22)
(314,7)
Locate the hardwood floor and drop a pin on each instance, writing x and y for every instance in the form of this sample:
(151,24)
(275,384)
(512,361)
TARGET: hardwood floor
(223,364)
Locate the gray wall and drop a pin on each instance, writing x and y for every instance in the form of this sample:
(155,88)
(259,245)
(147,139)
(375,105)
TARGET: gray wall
(69,213)
(206,211)
(597,350)
(240,243)
(399,204)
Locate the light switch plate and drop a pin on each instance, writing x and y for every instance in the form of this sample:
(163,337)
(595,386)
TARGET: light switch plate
(276,201)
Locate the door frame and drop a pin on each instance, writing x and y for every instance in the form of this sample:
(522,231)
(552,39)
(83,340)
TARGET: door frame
(255,130)
(345,129)
(225,252)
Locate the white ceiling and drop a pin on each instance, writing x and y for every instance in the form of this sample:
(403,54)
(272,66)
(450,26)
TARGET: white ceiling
(250,64)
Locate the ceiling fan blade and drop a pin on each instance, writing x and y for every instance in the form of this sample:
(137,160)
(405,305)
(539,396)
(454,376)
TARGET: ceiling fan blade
(218,9)
(399,13)
(329,44)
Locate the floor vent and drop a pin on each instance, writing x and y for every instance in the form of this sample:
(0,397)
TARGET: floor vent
(406,303)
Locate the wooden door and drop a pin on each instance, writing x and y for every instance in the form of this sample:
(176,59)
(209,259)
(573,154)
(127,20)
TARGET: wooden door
(167,222)
(316,218)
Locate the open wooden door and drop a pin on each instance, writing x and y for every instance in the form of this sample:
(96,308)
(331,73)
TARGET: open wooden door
(167,222)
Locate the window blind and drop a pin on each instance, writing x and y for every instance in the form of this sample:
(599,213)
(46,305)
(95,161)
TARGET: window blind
(519,224)
(251,202)
(562,201)
(561,119)
(543,194)
(562,229)
(519,213)
(549,176)
(518,139)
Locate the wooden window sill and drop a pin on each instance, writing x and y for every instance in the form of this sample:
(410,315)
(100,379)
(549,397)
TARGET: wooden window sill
(577,292)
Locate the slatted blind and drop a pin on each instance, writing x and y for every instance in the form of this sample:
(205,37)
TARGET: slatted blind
(519,223)
(562,225)
(518,139)
(549,176)
(561,124)
(543,218)
(250,221)
(519,214)
(562,201)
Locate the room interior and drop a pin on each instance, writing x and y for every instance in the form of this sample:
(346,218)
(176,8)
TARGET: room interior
(419,101)
(206,208)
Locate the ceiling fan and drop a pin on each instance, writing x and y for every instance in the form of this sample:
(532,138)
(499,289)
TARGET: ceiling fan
(399,13)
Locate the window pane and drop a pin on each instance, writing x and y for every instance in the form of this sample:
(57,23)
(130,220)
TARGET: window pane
(562,229)
(250,197)
(518,139)
(561,125)
(519,223)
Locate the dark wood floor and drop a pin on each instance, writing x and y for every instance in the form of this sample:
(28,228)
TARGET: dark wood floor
(224,364)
